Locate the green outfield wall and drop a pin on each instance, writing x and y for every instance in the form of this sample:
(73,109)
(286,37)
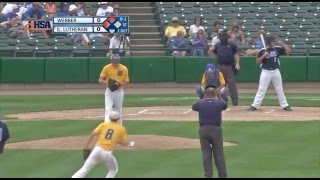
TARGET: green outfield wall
(144,69)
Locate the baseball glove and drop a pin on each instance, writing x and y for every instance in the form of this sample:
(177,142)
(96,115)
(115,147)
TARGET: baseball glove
(86,153)
(113,85)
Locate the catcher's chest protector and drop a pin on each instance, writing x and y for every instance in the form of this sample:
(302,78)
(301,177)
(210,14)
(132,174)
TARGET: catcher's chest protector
(212,78)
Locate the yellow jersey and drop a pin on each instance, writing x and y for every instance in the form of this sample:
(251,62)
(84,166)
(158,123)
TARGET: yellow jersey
(221,79)
(109,133)
(172,31)
(118,73)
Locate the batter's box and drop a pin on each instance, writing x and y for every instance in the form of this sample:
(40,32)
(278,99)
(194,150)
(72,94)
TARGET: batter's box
(165,111)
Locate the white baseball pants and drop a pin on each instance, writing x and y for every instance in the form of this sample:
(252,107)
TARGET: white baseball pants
(266,77)
(113,98)
(97,155)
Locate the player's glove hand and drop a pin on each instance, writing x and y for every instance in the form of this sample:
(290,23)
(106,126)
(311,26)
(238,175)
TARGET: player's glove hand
(113,85)
(86,153)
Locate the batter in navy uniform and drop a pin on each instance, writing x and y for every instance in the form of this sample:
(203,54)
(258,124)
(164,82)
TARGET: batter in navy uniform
(268,58)
(211,137)
(4,135)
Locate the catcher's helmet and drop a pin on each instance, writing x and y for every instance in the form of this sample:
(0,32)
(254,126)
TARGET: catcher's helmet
(210,67)
(115,58)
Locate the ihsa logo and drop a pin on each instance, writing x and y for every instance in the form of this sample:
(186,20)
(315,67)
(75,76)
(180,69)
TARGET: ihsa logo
(38,25)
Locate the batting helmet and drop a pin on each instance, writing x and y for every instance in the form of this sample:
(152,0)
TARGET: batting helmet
(115,58)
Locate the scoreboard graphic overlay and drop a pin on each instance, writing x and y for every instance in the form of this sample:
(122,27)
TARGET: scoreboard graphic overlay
(96,24)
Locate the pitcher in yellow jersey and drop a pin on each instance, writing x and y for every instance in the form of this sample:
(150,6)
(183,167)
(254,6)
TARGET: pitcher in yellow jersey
(119,72)
(109,134)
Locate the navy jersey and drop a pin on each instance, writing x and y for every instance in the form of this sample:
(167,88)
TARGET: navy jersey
(226,53)
(210,110)
(271,61)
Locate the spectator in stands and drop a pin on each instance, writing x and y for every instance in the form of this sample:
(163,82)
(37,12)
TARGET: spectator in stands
(51,9)
(62,4)
(36,13)
(120,44)
(180,45)
(257,43)
(194,28)
(215,40)
(236,35)
(116,10)
(199,44)
(217,28)
(65,10)
(78,9)
(172,30)
(14,12)
(14,28)
(104,9)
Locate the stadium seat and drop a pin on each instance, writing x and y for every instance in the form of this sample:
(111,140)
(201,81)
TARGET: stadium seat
(62,39)
(61,50)
(285,7)
(80,51)
(43,50)
(98,50)
(30,42)
(6,50)
(305,7)
(44,40)
(23,50)
(306,26)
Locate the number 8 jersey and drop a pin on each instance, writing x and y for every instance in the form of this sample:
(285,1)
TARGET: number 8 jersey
(109,133)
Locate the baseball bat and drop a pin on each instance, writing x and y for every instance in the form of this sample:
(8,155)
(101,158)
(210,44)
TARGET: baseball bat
(262,39)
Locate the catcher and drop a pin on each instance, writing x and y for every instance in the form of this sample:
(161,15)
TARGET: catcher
(115,76)
(213,77)
(109,134)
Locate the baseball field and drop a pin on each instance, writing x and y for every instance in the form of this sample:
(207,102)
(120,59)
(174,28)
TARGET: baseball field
(49,131)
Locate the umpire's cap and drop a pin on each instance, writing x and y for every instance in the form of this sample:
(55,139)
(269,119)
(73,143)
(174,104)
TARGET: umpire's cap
(114,115)
(115,58)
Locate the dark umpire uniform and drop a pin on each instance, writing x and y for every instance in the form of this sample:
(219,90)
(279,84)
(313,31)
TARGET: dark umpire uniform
(228,58)
(4,135)
(211,137)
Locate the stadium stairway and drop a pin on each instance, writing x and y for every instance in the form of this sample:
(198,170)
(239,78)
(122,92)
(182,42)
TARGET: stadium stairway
(144,31)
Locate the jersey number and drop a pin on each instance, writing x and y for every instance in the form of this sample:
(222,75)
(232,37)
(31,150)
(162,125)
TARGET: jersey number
(109,134)
(120,73)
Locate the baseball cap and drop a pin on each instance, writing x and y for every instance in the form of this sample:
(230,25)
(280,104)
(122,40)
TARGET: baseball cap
(210,67)
(175,19)
(103,2)
(115,57)
(72,7)
(114,115)
(15,6)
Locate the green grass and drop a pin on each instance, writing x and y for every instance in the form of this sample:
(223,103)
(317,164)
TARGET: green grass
(19,104)
(265,149)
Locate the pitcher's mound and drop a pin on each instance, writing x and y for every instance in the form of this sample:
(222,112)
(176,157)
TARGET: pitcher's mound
(145,142)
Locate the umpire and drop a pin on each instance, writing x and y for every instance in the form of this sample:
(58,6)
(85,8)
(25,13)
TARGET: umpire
(4,135)
(229,63)
(211,138)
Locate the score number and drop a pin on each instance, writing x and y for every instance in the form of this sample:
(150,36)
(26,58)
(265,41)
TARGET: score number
(97,29)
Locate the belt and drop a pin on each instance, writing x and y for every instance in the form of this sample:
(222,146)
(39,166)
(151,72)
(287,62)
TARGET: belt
(270,69)
(210,124)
